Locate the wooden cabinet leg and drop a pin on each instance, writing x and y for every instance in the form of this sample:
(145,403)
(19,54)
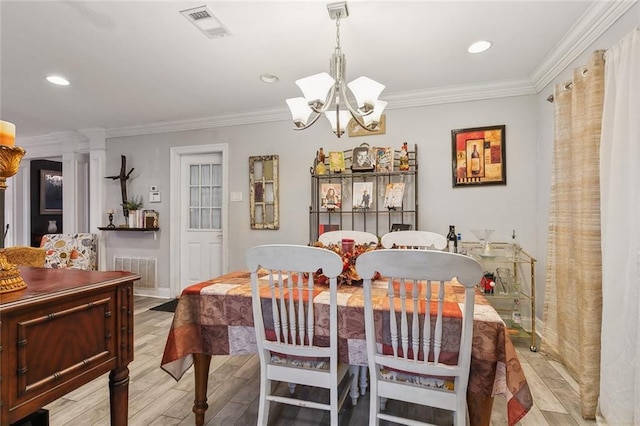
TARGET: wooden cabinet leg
(119,396)
(201,363)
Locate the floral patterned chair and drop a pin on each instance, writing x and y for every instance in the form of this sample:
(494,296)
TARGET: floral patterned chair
(74,251)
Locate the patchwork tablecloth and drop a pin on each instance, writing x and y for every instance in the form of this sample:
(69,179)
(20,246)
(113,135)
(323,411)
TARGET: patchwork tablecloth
(216,318)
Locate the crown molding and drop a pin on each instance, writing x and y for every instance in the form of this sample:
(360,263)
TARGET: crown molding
(413,99)
(591,25)
(461,93)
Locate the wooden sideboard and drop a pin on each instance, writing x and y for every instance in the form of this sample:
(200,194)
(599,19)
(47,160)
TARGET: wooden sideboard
(67,328)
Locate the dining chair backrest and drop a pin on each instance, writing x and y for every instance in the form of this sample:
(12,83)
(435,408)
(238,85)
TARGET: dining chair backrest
(285,312)
(410,277)
(358,237)
(414,239)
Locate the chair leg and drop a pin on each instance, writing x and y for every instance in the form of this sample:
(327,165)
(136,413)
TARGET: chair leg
(354,371)
(263,408)
(333,401)
(363,380)
(374,409)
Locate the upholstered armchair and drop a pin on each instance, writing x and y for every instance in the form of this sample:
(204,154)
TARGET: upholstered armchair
(74,251)
(25,256)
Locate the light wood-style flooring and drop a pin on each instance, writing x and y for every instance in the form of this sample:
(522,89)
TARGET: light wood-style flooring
(155,398)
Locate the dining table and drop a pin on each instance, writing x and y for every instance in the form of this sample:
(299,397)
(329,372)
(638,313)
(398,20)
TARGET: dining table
(215,317)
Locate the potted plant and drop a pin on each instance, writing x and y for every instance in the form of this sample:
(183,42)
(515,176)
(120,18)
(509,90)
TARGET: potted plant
(133,206)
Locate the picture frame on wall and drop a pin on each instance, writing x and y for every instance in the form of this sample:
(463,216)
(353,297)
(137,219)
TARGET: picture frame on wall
(50,192)
(354,129)
(479,156)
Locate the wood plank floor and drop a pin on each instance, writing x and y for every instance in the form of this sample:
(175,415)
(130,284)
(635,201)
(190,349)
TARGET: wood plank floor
(155,398)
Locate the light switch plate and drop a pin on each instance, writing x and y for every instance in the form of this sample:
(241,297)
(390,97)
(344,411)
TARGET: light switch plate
(154,196)
(236,196)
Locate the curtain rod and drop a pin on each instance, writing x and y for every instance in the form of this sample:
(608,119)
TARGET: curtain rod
(567,86)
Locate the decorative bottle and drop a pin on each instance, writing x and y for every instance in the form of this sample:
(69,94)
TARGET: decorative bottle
(320,167)
(52,228)
(452,240)
(475,161)
(460,248)
(404,157)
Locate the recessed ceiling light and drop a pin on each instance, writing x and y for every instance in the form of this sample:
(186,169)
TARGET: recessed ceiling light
(269,78)
(479,46)
(56,79)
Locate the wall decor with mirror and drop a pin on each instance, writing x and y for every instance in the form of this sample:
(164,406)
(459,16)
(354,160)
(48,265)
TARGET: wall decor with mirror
(263,192)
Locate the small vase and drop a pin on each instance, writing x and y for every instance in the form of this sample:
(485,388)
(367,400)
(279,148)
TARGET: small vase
(133,218)
(53,227)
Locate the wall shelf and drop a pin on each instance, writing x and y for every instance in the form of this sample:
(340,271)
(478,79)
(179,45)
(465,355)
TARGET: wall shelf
(104,228)
(138,230)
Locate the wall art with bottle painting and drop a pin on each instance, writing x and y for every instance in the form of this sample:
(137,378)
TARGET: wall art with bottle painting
(479,156)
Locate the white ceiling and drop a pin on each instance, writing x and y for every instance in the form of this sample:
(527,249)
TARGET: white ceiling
(141,63)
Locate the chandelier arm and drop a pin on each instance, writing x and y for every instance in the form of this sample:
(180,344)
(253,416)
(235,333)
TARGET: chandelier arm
(310,123)
(355,113)
(327,102)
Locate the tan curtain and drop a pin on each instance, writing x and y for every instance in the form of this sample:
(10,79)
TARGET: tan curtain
(573,293)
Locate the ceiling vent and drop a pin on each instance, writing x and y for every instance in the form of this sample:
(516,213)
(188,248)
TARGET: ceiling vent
(206,22)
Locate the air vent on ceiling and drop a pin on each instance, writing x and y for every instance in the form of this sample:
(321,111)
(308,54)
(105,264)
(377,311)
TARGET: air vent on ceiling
(206,22)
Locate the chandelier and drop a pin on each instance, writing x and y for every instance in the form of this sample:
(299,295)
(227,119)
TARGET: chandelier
(327,94)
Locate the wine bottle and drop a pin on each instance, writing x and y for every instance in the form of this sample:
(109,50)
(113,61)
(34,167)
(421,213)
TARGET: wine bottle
(475,161)
(452,240)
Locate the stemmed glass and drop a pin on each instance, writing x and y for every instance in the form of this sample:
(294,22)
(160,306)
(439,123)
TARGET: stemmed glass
(484,235)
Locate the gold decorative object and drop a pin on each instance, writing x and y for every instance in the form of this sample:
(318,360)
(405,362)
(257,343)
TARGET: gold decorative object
(10,279)
(10,157)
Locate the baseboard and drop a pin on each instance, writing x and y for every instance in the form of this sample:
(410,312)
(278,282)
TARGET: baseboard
(161,293)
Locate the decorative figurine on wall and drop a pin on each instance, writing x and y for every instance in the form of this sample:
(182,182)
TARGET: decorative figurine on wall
(123,176)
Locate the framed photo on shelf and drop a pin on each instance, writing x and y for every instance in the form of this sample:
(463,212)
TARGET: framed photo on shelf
(363,159)
(479,156)
(362,195)
(330,196)
(393,195)
(50,192)
(384,159)
(336,162)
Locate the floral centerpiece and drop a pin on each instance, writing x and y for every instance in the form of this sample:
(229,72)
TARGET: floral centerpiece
(349,276)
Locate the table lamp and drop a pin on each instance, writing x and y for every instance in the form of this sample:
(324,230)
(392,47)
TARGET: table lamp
(10,156)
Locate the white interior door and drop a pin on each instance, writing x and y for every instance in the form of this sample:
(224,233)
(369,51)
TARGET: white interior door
(201,218)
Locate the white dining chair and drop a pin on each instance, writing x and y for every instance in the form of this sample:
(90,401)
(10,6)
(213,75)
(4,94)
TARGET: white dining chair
(360,384)
(358,237)
(294,353)
(407,374)
(414,239)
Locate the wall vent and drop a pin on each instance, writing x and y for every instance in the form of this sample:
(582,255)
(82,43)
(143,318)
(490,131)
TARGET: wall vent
(146,267)
(202,18)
